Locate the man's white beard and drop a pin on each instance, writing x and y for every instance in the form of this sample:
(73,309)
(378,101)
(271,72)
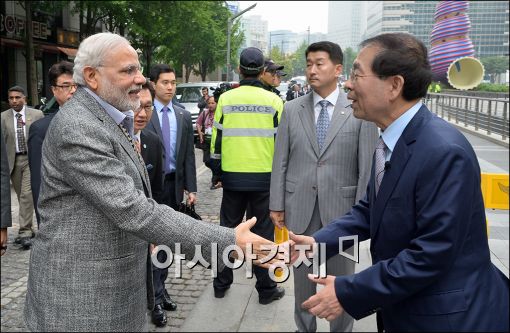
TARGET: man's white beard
(117,97)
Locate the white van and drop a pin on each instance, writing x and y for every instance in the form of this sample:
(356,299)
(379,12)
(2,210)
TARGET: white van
(188,94)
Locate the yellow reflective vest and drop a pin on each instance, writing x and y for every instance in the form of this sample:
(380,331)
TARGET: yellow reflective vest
(243,136)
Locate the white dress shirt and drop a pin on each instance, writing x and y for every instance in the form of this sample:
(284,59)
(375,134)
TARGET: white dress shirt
(332,99)
(23,118)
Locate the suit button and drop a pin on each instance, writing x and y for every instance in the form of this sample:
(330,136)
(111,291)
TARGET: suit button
(314,188)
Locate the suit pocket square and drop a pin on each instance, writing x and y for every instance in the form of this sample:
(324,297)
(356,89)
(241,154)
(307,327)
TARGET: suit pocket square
(149,167)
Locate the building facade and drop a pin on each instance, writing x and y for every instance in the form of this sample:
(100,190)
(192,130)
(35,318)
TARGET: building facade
(55,36)
(347,23)
(489,22)
(255,32)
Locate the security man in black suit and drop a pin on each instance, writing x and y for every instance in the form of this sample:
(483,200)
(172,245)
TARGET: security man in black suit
(63,87)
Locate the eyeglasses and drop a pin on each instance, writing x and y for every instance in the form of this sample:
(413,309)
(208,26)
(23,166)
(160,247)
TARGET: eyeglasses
(147,108)
(354,76)
(67,87)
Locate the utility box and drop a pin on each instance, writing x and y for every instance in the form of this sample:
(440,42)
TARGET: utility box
(495,190)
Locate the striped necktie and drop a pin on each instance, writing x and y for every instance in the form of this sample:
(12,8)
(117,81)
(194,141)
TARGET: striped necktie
(380,161)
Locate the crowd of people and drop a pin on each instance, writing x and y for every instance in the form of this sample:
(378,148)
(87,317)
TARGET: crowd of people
(108,170)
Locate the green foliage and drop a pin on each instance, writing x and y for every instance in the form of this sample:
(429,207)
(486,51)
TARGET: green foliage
(492,87)
(181,33)
(495,65)
(349,56)
(299,61)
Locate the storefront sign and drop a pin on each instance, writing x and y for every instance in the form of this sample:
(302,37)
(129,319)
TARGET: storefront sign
(14,26)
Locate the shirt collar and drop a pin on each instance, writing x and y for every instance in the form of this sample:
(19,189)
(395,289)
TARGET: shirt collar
(159,106)
(117,116)
(22,112)
(393,132)
(332,98)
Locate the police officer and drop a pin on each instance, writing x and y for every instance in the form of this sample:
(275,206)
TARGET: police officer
(268,76)
(242,147)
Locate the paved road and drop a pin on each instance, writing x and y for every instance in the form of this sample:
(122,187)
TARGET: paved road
(238,311)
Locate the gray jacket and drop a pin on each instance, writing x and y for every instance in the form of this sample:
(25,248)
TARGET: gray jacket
(337,176)
(89,261)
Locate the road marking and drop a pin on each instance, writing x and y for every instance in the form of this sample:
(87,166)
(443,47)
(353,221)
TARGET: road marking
(488,167)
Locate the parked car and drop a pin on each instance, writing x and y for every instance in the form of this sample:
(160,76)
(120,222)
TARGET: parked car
(188,94)
(283,87)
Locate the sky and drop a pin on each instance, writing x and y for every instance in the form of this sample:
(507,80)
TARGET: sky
(295,16)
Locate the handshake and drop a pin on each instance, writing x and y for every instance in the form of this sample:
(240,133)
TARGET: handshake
(268,254)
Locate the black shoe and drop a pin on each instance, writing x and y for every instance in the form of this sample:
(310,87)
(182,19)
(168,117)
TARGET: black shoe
(17,240)
(25,243)
(158,316)
(212,187)
(168,304)
(219,293)
(275,295)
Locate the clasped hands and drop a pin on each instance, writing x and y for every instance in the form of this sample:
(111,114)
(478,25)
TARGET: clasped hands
(324,304)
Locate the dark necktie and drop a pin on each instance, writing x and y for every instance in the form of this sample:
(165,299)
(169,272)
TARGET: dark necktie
(322,123)
(380,160)
(165,129)
(20,134)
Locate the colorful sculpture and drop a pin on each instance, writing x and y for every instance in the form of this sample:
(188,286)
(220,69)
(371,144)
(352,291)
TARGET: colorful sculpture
(452,52)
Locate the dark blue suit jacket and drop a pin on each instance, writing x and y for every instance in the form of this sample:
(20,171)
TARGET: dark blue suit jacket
(35,140)
(152,151)
(431,262)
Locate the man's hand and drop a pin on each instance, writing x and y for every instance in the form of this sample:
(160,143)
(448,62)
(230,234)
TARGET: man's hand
(3,240)
(324,304)
(278,218)
(192,199)
(300,240)
(260,246)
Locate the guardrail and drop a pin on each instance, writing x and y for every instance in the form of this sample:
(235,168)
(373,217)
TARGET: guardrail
(485,114)
(475,93)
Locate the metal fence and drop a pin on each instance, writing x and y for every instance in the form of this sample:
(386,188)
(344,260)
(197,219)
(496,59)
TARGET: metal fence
(484,114)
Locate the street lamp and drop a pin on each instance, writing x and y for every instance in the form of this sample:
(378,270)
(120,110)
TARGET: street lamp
(229,28)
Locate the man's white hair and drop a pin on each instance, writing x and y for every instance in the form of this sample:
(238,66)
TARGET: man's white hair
(93,51)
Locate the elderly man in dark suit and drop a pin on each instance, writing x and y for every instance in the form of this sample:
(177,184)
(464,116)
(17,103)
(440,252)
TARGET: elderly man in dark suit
(60,76)
(423,210)
(152,150)
(16,124)
(90,267)
(149,144)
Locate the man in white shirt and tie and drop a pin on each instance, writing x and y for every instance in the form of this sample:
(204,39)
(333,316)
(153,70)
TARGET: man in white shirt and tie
(15,126)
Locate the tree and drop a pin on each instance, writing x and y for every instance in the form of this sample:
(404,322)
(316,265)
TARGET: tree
(299,60)
(31,8)
(494,66)
(349,56)
(29,55)
(150,28)
(211,54)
